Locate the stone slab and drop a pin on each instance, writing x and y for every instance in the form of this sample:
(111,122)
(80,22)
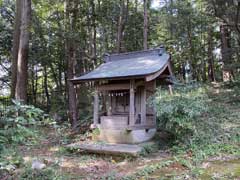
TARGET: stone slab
(113,149)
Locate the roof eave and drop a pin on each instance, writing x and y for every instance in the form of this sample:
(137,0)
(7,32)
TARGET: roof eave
(167,65)
(76,81)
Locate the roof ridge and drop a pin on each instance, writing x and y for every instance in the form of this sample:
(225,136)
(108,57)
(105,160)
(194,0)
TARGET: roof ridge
(120,56)
(133,52)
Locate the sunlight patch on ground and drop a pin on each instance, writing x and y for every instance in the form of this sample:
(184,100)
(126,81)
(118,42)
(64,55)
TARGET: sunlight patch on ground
(54,149)
(67,164)
(229,90)
(73,163)
(230,125)
(27,159)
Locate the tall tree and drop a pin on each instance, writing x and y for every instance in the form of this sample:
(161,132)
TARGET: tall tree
(22,62)
(226,53)
(93,33)
(211,70)
(70,44)
(123,15)
(228,12)
(145,28)
(16,35)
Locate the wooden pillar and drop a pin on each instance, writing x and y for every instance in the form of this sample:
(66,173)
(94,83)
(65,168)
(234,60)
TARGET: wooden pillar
(154,105)
(170,89)
(96,107)
(132,103)
(143,105)
(113,105)
(109,103)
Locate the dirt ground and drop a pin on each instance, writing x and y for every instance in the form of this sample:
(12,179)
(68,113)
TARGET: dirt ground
(76,165)
(88,166)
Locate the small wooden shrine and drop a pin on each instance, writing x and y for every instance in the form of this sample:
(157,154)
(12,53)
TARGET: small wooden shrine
(123,84)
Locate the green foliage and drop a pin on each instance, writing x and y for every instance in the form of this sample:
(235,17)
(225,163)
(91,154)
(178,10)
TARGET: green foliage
(110,176)
(148,148)
(18,121)
(44,174)
(147,170)
(180,113)
(204,124)
(9,160)
(18,125)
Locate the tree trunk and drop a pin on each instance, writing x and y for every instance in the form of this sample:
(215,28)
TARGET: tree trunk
(204,70)
(93,34)
(211,72)
(46,87)
(71,59)
(195,74)
(33,84)
(22,68)
(136,28)
(122,19)
(227,70)
(145,24)
(36,87)
(16,36)
(120,26)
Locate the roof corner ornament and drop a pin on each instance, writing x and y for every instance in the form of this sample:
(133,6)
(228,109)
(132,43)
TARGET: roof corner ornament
(106,57)
(161,50)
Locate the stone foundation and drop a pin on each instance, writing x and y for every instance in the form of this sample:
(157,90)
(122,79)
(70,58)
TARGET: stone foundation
(124,136)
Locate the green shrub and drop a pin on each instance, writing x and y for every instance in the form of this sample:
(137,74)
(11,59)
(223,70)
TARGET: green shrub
(18,123)
(9,160)
(44,174)
(180,113)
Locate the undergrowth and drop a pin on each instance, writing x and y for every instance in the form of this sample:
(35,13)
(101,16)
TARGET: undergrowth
(201,122)
(19,125)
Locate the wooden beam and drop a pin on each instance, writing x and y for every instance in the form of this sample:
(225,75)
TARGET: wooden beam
(96,107)
(143,105)
(122,86)
(164,76)
(140,83)
(132,103)
(109,87)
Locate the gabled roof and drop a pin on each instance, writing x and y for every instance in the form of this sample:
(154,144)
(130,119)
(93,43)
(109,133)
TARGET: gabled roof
(133,64)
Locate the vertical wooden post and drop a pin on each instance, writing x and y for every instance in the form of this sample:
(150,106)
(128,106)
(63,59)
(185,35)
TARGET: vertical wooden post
(154,106)
(170,89)
(132,103)
(109,104)
(113,104)
(143,105)
(96,107)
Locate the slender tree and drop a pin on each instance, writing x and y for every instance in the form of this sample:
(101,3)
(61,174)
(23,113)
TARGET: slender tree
(145,28)
(22,62)
(70,46)
(123,15)
(16,36)
(211,69)
(226,53)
